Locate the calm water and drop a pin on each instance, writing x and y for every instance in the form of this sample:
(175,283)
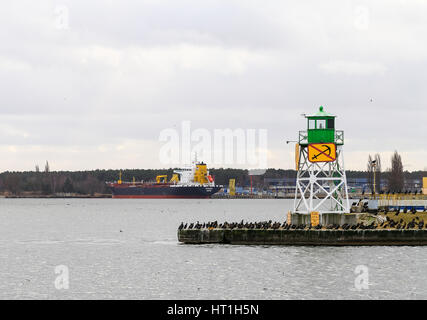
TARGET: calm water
(145,261)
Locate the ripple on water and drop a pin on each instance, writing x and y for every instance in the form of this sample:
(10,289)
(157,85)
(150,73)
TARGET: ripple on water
(146,261)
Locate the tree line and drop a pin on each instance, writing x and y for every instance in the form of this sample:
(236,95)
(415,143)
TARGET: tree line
(48,182)
(394,176)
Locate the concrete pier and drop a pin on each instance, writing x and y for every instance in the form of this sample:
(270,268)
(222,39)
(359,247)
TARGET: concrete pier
(312,237)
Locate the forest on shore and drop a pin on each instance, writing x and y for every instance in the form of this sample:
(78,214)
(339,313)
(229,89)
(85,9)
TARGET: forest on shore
(94,182)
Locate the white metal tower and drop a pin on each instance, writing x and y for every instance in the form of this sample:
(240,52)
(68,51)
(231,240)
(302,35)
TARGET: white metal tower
(321,184)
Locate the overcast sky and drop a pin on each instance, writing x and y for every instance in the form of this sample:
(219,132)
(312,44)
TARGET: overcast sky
(91,84)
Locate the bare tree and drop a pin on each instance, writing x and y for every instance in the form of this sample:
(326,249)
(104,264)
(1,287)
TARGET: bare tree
(12,183)
(370,170)
(396,180)
(49,181)
(378,175)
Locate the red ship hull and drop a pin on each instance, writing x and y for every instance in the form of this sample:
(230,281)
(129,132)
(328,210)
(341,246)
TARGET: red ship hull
(161,191)
(158,197)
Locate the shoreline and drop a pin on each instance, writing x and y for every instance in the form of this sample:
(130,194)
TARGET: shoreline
(83,196)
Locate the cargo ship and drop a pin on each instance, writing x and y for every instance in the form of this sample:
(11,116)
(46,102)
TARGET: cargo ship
(191,182)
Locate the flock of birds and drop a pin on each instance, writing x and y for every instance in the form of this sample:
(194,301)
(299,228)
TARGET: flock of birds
(269,225)
(415,223)
(400,193)
(388,223)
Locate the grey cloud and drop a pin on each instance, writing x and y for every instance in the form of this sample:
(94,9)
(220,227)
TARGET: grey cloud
(125,70)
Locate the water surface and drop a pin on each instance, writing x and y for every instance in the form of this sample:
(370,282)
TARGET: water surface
(128,249)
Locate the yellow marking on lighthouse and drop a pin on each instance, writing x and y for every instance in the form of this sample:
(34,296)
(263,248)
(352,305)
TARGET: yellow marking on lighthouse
(315,219)
(297,156)
(322,152)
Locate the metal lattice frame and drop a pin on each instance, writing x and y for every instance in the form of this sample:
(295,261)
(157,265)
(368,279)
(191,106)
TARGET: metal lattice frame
(321,186)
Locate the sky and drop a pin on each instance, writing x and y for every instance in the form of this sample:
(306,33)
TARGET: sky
(93,84)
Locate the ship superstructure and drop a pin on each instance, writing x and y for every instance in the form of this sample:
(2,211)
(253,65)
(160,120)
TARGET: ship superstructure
(193,181)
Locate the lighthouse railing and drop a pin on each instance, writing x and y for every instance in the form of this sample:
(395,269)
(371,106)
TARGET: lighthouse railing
(303,137)
(339,136)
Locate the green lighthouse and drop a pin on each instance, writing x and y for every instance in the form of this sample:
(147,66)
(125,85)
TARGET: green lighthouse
(321,129)
(321,184)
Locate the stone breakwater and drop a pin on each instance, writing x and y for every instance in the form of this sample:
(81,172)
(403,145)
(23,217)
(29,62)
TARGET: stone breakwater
(394,228)
(328,237)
